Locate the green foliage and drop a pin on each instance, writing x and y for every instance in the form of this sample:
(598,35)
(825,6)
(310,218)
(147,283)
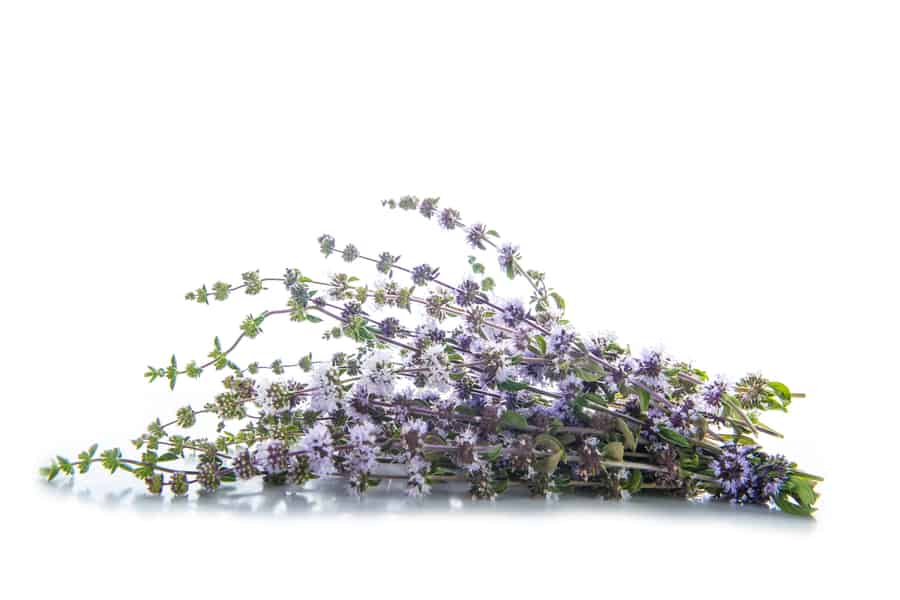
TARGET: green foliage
(357,330)
(86,458)
(783,393)
(221,291)
(559,300)
(674,437)
(797,496)
(252,326)
(513,421)
(185,417)
(512,386)
(172,372)
(555,450)
(252,283)
(50,471)
(111,459)
(614,451)
(219,359)
(154,373)
(192,370)
(200,295)
(644,399)
(627,434)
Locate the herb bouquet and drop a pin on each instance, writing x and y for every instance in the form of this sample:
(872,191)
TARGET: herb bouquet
(453,383)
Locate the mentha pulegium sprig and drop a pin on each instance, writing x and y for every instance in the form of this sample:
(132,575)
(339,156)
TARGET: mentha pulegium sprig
(455,383)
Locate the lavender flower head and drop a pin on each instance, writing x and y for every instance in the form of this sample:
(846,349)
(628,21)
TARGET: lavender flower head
(561,339)
(513,312)
(271,456)
(448,219)
(468,292)
(325,392)
(317,445)
(476,236)
(714,391)
(378,373)
(423,274)
(507,256)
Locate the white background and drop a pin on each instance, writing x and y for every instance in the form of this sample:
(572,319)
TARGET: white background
(715,177)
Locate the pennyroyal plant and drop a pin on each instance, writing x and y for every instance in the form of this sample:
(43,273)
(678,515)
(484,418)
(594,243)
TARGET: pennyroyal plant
(455,383)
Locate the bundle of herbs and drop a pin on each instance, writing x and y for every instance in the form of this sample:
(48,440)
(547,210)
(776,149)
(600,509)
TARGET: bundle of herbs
(451,382)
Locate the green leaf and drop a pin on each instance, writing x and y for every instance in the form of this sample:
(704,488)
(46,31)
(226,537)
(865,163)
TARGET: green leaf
(674,437)
(50,472)
(65,466)
(477,267)
(541,343)
(153,373)
(802,490)
(514,421)
(252,326)
(547,442)
(782,391)
(635,479)
(615,451)
(512,386)
(193,370)
(592,398)
(738,439)
(625,430)
(644,397)
(110,459)
(587,375)
(493,454)
(172,372)
(85,458)
(560,302)
(785,503)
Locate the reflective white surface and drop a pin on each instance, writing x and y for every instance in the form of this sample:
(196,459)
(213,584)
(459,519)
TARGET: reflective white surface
(324,498)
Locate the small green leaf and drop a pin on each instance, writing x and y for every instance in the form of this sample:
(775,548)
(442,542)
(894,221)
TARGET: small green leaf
(785,502)
(547,442)
(782,391)
(615,451)
(560,302)
(65,466)
(541,343)
(110,459)
(50,472)
(644,397)
(514,421)
(512,386)
(635,479)
(674,437)
(625,430)
(172,372)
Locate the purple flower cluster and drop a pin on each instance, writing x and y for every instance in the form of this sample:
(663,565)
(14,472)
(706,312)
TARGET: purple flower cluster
(507,256)
(748,475)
